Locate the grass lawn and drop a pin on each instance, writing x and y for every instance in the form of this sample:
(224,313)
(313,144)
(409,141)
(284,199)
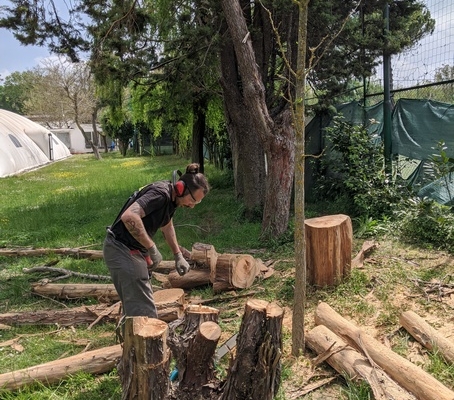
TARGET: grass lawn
(69,204)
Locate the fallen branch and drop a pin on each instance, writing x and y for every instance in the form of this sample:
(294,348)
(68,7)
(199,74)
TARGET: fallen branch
(66,273)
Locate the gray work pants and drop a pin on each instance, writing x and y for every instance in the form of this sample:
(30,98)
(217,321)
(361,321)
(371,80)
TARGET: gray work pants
(130,277)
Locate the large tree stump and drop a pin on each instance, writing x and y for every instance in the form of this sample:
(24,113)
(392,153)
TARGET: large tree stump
(256,370)
(347,361)
(429,337)
(412,378)
(144,366)
(328,249)
(95,362)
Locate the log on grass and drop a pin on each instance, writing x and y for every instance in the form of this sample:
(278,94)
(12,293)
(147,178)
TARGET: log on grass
(103,292)
(194,278)
(347,361)
(67,317)
(234,271)
(256,371)
(409,376)
(94,362)
(328,249)
(429,337)
(145,363)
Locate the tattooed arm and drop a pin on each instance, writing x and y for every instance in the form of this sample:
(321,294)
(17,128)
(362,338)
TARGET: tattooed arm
(132,218)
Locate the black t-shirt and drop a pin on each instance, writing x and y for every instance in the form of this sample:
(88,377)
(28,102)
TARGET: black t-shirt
(156,201)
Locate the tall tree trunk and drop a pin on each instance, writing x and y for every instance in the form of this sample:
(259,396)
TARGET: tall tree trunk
(198,130)
(248,156)
(276,133)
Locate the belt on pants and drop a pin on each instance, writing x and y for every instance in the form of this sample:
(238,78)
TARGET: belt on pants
(147,257)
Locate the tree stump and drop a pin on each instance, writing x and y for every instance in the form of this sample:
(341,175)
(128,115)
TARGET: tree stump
(144,366)
(256,370)
(199,369)
(328,249)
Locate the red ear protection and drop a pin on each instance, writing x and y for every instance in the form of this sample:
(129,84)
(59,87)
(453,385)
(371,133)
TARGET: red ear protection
(180,187)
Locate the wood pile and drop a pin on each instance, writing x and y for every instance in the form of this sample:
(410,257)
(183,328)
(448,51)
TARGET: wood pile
(348,349)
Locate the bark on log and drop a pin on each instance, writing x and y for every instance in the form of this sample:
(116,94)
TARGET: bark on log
(103,292)
(345,360)
(409,376)
(199,369)
(256,370)
(68,317)
(144,365)
(94,362)
(207,255)
(328,249)
(194,278)
(429,337)
(234,271)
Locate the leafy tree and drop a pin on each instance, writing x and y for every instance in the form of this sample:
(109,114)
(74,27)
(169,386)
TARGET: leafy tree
(142,42)
(15,90)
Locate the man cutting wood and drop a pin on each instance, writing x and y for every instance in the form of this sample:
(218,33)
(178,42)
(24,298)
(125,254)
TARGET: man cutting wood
(129,249)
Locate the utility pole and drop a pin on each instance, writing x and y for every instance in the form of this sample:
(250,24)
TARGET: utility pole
(387,96)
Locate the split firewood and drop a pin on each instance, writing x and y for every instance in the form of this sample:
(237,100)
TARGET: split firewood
(145,363)
(255,372)
(429,337)
(94,362)
(346,360)
(409,376)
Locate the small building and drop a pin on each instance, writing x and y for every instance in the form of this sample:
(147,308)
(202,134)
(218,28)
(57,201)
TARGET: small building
(74,139)
(26,145)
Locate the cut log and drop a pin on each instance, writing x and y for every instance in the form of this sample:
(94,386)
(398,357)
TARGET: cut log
(68,317)
(429,337)
(207,255)
(170,304)
(94,362)
(328,249)
(255,372)
(103,292)
(194,278)
(347,361)
(145,363)
(409,376)
(234,271)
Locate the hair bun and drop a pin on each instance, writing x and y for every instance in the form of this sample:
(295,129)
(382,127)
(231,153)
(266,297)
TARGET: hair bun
(192,168)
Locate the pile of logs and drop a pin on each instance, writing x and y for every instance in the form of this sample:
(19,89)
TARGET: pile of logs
(351,351)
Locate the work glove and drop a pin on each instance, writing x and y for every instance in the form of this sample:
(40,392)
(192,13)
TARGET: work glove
(155,256)
(181,265)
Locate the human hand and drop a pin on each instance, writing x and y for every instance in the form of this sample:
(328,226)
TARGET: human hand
(155,255)
(181,265)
